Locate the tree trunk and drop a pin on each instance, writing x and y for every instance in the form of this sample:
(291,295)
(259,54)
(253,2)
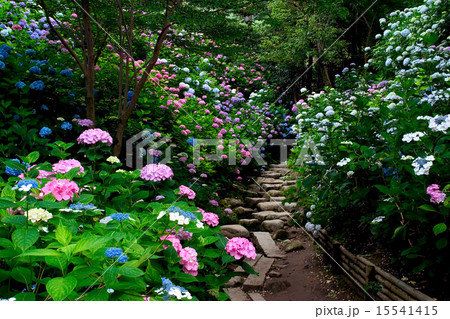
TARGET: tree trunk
(89,63)
(310,74)
(325,76)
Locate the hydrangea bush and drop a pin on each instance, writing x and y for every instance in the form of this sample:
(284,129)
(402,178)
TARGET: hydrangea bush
(382,137)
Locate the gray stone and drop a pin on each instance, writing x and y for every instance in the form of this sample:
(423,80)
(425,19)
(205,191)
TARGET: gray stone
(272,225)
(262,267)
(234,282)
(254,296)
(273,193)
(274,274)
(277,199)
(270,206)
(253,201)
(280,234)
(266,215)
(293,245)
(289,182)
(265,243)
(281,170)
(243,210)
(280,165)
(269,187)
(231,231)
(271,174)
(268,180)
(236,294)
(249,222)
(236,202)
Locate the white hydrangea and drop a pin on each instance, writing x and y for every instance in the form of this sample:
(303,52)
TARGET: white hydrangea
(439,123)
(412,137)
(38,214)
(343,162)
(422,165)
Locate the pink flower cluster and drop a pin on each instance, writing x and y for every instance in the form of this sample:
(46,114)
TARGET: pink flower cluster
(239,247)
(436,196)
(184,190)
(93,136)
(64,166)
(85,122)
(211,219)
(188,255)
(156,172)
(62,189)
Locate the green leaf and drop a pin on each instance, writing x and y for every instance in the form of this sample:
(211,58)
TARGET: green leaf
(212,253)
(384,189)
(23,275)
(33,157)
(227,258)
(439,228)
(5,243)
(86,198)
(93,242)
(25,238)
(40,252)
(222,242)
(48,204)
(97,295)
(428,208)
(63,235)
(7,253)
(183,277)
(57,262)
(19,220)
(6,203)
(249,269)
(128,271)
(4,275)
(15,165)
(441,243)
(25,296)
(110,275)
(8,193)
(209,240)
(171,255)
(59,288)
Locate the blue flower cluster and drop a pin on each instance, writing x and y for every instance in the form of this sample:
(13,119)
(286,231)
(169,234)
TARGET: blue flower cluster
(174,209)
(30,52)
(192,141)
(130,95)
(113,252)
(27,183)
(66,73)
(45,131)
(37,85)
(168,289)
(66,126)
(12,171)
(20,85)
(5,50)
(35,70)
(120,217)
(79,206)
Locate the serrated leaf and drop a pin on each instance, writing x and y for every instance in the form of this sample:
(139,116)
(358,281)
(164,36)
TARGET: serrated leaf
(212,253)
(97,295)
(59,288)
(33,157)
(439,228)
(63,235)
(428,208)
(93,242)
(25,238)
(128,271)
(57,262)
(19,220)
(249,269)
(86,198)
(221,242)
(6,203)
(15,165)
(441,243)
(49,204)
(23,275)
(41,252)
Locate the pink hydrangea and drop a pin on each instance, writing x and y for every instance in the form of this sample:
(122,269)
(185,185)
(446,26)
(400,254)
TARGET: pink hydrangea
(64,166)
(62,189)
(189,260)
(228,210)
(156,172)
(93,136)
(184,190)
(210,219)
(239,247)
(85,122)
(214,202)
(436,196)
(174,240)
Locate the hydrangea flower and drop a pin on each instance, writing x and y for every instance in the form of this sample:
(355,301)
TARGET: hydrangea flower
(13,171)
(119,216)
(211,219)
(184,190)
(168,289)
(377,220)
(67,73)
(2,65)
(66,126)
(214,202)
(412,137)
(38,214)
(183,217)
(189,260)
(20,85)
(85,122)
(62,189)
(35,70)
(78,208)
(192,141)
(45,131)
(113,160)
(26,185)
(37,85)
(422,165)
(436,196)
(156,172)
(439,123)
(64,166)
(113,252)
(239,247)
(93,136)
(343,162)
(30,52)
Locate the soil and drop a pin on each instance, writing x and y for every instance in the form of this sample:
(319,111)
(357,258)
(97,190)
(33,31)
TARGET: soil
(304,276)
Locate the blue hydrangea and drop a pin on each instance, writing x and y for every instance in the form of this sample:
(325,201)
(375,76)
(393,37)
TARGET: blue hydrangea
(168,290)
(35,70)
(44,107)
(6,48)
(45,131)
(113,252)
(120,217)
(192,141)
(66,126)
(122,259)
(405,32)
(79,206)
(27,184)
(43,62)
(16,117)
(20,85)
(52,71)
(187,214)
(37,85)
(130,95)
(30,52)
(66,73)
(12,171)
(3,55)
(2,65)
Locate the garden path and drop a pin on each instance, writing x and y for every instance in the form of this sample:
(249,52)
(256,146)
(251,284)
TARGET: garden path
(289,266)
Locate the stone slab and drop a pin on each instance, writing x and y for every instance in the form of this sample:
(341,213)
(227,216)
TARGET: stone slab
(254,296)
(272,193)
(235,230)
(270,206)
(253,201)
(268,180)
(250,262)
(269,187)
(282,165)
(277,198)
(237,294)
(249,222)
(271,174)
(267,215)
(234,282)
(272,225)
(281,170)
(262,267)
(264,242)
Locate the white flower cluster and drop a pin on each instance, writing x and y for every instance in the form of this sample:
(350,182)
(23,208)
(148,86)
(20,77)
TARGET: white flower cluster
(422,165)
(343,162)
(377,220)
(439,123)
(38,214)
(412,137)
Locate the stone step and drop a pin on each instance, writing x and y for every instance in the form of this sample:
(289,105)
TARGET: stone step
(256,282)
(271,174)
(253,201)
(272,193)
(249,223)
(273,225)
(254,296)
(243,210)
(264,242)
(282,171)
(235,281)
(234,230)
(268,215)
(277,199)
(237,294)
(289,182)
(268,180)
(282,165)
(269,187)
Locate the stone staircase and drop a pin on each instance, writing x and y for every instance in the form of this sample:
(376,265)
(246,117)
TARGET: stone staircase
(261,217)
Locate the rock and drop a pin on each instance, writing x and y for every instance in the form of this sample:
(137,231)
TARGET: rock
(266,215)
(269,187)
(272,225)
(280,165)
(277,199)
(262,267)
(271,174)
(280,234)
(254,296)
(242,210)
(277,286)
(293,232)
(249,222)
(236,294)
(231,231)
(293,245)
(252,202)
(272,193)
(268,180)
(274,274)
(270,206)
(281,170)
(236,202)
(265,243)
(234,282)
(250,262)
